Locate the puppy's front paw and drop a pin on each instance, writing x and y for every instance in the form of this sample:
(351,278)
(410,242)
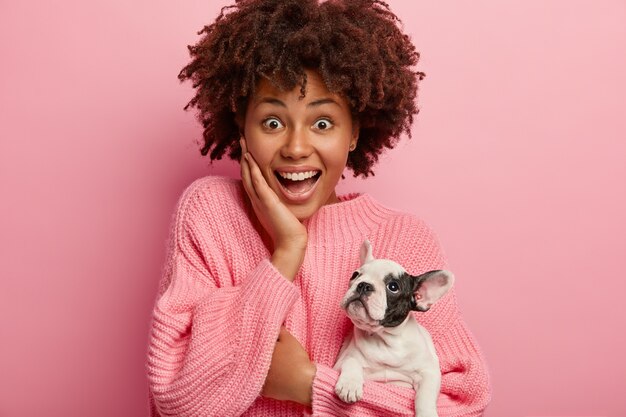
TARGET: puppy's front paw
(349,388)
(427,413)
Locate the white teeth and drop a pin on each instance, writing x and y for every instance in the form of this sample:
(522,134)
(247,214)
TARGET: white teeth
(297,176)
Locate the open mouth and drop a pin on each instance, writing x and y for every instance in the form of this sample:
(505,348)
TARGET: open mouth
(296,184)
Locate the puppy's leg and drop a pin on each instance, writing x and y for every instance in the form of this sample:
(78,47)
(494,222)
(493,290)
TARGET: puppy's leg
(427,393)
(350,383)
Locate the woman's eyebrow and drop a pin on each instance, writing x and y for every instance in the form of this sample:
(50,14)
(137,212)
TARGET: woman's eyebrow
(322,101)
(270,100)
(277,102)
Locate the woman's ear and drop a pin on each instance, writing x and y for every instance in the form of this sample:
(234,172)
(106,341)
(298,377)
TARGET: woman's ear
(355,136)
(240,127)
(240,120)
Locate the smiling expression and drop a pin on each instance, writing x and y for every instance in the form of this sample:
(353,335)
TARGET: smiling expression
(300,145)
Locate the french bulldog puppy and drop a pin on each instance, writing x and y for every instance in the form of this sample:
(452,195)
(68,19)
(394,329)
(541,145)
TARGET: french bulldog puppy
(388,344)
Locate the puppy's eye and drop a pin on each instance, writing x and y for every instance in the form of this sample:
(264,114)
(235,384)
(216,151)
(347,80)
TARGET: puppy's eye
(356,274)
(393,287)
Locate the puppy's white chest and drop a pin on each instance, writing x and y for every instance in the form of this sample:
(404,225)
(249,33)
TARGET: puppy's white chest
(404,356)
(386,356)
(388,344)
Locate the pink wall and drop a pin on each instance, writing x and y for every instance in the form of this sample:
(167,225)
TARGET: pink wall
(518,160)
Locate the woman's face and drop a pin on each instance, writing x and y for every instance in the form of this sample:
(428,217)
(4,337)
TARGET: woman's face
(300,145)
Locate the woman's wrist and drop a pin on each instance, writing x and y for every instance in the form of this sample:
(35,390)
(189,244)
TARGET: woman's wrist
(304,395)
(287,261)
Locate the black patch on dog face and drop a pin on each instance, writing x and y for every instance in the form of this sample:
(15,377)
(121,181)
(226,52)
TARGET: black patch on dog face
(399,302)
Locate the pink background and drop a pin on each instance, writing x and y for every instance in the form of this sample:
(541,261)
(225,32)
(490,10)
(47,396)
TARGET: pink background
(518,161)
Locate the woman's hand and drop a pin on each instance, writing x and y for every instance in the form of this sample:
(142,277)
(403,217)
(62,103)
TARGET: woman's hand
(288,234)
(291,372)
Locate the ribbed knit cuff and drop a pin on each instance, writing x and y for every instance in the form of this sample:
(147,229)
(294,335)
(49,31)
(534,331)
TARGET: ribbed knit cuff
(265,296)
(323,389)
(255,311)
(378,399)
(265,286)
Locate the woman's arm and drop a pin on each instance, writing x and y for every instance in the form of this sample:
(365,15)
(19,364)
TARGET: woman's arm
(464,384)
(289,236)
(210,348)
(465,389)
(291,373)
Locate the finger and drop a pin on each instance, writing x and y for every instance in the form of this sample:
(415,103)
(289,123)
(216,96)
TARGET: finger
(246,170)
(252,174)
(246,178)
(258,181)
(263,190)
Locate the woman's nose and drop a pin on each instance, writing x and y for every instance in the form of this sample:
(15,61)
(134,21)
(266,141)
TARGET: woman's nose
(297,145)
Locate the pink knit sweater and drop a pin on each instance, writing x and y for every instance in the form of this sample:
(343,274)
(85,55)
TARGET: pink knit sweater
(221,304)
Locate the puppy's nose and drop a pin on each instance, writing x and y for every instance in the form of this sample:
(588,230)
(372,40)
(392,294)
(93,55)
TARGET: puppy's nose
(364,288)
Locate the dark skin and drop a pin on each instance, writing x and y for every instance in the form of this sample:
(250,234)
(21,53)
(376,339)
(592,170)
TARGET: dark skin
(316,131)
(291,373)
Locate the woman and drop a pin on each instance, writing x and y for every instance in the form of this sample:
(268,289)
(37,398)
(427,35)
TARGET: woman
(247,320)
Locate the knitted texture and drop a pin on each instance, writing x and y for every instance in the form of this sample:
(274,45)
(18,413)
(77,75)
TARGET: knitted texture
(221,304)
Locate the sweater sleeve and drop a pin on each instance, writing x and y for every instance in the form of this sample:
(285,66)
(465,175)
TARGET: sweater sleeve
(464,392)
(210,347)
(465,389)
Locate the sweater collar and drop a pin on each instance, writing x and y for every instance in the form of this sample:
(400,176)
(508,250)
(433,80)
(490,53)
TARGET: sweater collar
(352,219)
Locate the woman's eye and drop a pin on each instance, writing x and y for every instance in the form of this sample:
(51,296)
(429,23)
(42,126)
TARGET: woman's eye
(393,286)
(272,123)
(323,124)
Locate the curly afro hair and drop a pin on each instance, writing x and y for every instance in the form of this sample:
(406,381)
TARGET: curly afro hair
(355,45)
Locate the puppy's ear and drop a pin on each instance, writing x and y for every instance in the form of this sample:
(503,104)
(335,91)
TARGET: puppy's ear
(430,287)
(366,252)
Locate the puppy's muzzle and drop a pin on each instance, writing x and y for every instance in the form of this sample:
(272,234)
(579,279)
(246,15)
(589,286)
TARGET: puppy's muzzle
(360,293)
(364,288)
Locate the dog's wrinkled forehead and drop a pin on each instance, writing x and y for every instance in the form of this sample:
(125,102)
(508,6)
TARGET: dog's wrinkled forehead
(376,271)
